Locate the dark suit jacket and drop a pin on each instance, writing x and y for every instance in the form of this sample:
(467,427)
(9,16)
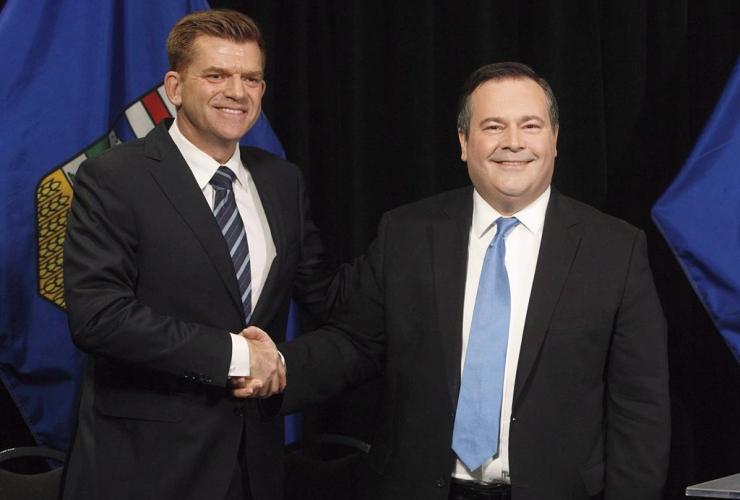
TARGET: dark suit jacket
(591,409)
(151,296)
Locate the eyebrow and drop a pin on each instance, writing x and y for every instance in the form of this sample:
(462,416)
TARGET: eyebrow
(521,119)
(527,118)
(216,69)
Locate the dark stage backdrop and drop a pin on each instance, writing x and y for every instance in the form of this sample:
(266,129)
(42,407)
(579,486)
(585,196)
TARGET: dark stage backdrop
(363,96)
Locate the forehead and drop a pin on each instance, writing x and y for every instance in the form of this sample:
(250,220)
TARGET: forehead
(222,52)
(510,97)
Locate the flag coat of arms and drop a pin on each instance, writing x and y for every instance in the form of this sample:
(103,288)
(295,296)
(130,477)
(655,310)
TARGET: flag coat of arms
(80,77)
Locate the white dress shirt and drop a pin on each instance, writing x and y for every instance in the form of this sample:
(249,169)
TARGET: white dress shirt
(261,245)
(522,249)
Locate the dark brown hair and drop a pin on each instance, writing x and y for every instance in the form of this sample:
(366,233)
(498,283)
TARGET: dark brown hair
(497,72)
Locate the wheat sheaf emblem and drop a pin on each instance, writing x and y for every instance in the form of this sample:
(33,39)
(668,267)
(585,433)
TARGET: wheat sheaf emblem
(54,191)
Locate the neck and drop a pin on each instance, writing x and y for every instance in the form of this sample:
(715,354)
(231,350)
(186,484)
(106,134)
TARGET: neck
(221,151)
(221,156)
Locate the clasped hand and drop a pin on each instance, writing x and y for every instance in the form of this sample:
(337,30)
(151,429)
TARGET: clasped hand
(267,372)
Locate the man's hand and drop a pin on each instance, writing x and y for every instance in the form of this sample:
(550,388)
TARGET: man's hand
(244,387)
(267,369)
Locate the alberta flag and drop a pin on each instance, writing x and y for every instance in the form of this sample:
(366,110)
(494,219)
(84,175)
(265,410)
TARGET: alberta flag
(699,215)
(79,77)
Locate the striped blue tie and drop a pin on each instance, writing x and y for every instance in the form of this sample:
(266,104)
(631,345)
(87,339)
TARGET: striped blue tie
(232,227)
(478,417)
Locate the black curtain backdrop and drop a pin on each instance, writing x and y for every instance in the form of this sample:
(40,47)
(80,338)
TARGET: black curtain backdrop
(363,96)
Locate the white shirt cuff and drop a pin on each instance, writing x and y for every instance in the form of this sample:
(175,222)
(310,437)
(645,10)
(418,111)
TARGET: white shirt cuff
(239,366)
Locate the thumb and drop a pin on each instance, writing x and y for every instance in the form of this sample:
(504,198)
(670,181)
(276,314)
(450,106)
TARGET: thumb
(255,333)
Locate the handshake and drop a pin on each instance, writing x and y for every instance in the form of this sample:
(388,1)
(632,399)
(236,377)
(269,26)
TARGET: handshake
(267,369)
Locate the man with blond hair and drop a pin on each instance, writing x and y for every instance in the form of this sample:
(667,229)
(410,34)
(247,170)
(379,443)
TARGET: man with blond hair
(179,245)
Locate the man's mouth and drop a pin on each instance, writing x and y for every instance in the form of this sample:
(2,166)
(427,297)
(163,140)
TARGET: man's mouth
(231,111)
(512,162)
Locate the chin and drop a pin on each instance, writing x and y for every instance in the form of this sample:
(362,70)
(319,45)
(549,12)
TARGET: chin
(514,191)
(233,135)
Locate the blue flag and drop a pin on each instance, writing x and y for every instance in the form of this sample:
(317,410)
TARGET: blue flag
(80,77)
(699,215)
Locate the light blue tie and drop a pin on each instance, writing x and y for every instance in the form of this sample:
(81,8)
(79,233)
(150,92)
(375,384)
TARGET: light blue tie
(478,417)
(232,227)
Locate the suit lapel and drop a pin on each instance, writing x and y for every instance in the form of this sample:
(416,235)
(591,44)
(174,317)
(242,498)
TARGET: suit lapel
(178,184)
(560,241)
(449,249)
(270,200)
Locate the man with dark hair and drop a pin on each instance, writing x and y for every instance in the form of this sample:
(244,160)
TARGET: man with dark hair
(177,243)
(518,331)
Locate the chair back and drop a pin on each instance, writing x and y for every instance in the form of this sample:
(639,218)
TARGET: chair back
(326,466)
(39,486)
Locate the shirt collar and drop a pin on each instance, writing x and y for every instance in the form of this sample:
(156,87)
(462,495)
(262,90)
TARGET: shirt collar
(532,217)
(203,166)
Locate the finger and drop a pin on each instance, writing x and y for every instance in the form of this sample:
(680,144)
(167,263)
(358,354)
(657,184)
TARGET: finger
(266,389)
(260,393)
(250,389)
(253,384)
(242,393)
(251,332)
(237,382)
(274,387)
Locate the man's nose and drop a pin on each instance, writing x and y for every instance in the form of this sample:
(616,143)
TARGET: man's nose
(234,87)
(513,139)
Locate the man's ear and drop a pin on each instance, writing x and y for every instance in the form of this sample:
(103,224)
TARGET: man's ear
(173,87)
(463,144)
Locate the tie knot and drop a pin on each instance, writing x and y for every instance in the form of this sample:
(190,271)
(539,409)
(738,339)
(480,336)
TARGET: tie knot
(505,225)
(223,178)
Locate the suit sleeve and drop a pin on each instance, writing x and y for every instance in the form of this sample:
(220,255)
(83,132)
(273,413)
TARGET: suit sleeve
(320,285)
(348,350)
(637,404)
(100,274)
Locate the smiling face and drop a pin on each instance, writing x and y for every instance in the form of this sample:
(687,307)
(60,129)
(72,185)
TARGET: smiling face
(510,148)
(218,95)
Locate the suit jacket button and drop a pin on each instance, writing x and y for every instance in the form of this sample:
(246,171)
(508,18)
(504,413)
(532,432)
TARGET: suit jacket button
(441,482)
(209,379)
(239,411)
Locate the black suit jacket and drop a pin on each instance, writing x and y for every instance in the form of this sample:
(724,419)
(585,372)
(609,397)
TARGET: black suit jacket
(152,296)
(590,414)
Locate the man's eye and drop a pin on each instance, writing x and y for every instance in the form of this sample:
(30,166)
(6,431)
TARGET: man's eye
(252,80)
